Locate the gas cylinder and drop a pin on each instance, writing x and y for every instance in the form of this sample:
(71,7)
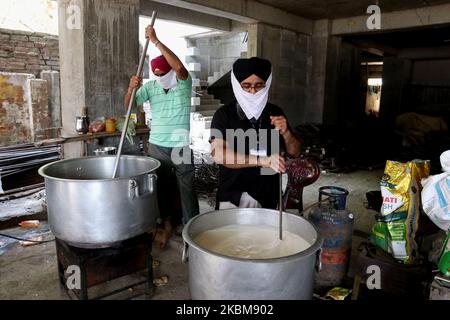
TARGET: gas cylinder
(335,225)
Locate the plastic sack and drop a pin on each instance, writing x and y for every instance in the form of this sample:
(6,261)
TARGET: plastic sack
(436,195)
(338,293)
(395,230)
(97,126)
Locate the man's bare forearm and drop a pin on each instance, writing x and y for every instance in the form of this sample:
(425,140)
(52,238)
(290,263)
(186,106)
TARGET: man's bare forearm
(230,159)
(174,62)
(127,98)
(236,161)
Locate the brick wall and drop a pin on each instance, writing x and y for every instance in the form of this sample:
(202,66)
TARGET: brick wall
(28,52)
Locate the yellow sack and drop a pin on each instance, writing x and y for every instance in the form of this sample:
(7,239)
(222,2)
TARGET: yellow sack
(400,189)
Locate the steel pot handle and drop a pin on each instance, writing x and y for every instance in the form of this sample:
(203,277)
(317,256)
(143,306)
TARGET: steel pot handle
(133,187)
(152,182)
(185,255)
(319,260)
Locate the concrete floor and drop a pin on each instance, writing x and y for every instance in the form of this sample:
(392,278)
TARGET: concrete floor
(31,272)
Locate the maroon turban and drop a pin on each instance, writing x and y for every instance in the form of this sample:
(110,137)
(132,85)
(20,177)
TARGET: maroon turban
(161,64)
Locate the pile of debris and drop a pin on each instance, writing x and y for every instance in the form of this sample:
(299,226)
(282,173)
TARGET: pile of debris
(343,149)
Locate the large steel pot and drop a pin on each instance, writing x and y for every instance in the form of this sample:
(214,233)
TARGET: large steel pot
(88,209)
(219,277)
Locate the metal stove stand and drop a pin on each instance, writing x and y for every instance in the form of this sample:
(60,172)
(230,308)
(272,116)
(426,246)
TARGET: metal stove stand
(98,266)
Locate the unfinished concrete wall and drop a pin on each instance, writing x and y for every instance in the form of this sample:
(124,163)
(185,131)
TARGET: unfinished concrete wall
(111,54)
(396,78)
(429,90)
(332,75)
(28,52)
(54,96)
(317,68)
(24,110)
(97,60)
(430,72)
(40,121)
(216,53)
(416,81)
(288,52)
(344,103)
(334,70)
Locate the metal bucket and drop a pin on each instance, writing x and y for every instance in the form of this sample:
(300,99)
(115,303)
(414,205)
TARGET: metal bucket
(219,277)
(337,196)
(88,209)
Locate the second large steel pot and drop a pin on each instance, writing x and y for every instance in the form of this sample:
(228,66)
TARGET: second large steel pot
(219,277)
(89,209)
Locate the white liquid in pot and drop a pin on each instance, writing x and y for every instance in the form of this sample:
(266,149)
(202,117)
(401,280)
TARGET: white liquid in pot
(251,242)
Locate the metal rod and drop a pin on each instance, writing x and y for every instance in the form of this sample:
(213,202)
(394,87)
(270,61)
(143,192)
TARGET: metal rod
(281,206)
(22,189)
(130,104)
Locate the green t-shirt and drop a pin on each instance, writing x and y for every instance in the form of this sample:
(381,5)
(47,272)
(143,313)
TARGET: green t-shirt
(170,112)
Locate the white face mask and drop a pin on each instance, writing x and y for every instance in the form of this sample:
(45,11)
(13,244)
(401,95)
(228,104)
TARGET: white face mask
(252,104)
(167,81)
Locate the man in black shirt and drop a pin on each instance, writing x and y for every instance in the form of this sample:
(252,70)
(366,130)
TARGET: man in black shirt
(247,138)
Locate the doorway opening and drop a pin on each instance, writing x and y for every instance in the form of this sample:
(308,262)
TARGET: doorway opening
(371,83)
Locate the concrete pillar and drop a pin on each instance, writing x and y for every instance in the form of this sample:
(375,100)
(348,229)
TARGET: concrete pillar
(99,51)
(317,63)
(396,77)
(254,40)
(349,106)
(333,91)
(288,52)
(38,109)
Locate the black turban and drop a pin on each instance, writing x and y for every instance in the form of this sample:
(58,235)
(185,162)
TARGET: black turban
(244,68)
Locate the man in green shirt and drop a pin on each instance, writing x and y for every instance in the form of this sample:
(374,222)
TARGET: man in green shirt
(170,101)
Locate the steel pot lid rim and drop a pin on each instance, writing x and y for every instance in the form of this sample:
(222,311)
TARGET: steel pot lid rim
(42,169)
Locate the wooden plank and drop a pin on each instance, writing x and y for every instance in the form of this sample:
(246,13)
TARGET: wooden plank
(84,137)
